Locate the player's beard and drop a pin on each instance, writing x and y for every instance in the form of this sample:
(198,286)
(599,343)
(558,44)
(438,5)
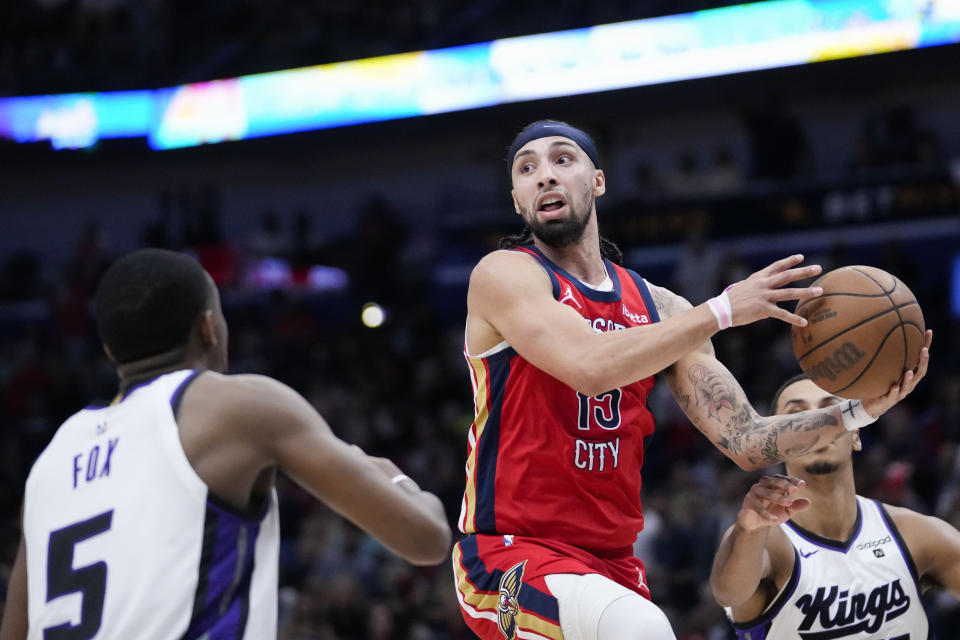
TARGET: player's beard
(821,468)
(562,232)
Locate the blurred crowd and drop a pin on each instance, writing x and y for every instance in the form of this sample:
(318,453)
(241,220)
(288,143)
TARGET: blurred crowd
(59,46)
(402,391)
(778,147)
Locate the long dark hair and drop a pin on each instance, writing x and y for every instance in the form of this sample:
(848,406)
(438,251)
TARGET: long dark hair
(608,249)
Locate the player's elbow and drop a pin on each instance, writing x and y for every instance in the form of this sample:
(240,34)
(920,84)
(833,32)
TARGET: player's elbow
(727,589)
(723,594)
(432,545)
(590,389)
(747,464)
(591,378)
(740,458)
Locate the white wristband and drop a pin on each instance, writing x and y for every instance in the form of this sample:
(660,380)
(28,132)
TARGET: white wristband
(854,416)
(720,306)
(400,477)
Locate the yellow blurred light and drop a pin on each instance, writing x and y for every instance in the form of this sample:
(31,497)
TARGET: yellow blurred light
(372,315)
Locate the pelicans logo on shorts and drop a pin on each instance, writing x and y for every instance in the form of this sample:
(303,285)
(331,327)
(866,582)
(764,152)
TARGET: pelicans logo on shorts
(507,605)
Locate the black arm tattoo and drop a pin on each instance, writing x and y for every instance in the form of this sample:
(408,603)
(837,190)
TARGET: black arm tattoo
(664,301)
(742,430)
(713,390)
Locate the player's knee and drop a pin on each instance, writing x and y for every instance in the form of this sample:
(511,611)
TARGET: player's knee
(634,618)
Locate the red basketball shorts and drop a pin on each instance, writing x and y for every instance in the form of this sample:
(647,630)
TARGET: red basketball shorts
(502,589)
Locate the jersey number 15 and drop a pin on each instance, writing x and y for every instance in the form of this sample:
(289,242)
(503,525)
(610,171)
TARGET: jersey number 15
(602,410)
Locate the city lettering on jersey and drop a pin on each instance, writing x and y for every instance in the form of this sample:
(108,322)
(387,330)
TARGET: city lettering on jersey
(93,464)
(596,456)
(837,614)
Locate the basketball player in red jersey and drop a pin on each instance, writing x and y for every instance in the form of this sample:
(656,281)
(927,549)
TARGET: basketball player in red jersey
(562,345)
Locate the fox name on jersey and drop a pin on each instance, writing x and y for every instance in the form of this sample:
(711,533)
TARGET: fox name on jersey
(90,466)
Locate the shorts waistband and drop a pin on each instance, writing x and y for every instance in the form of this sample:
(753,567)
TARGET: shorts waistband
(606,554)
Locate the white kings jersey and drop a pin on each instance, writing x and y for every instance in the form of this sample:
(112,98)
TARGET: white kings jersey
(864,588)
(124,540)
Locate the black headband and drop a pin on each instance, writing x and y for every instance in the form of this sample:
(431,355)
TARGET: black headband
(548,128)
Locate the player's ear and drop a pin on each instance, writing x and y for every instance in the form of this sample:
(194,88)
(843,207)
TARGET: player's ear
(857,443)
(516,203)
(109,353)
(208,329)
(599,183)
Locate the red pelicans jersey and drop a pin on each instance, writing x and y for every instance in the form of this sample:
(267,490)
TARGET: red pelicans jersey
(546,461)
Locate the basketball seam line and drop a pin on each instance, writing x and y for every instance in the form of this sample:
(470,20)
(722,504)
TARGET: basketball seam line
(830,295)
(903,332)
(851,328)
(884,292)
(867,366)
(895,280)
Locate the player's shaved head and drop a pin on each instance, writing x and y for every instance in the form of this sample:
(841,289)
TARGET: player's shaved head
(148,301)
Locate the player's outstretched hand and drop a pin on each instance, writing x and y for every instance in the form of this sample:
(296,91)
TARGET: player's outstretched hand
(899,390)
(770,502)
(756,297)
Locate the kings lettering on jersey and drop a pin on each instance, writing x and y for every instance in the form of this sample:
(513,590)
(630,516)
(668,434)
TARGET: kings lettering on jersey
(534,436)
(834,613)
(862,588)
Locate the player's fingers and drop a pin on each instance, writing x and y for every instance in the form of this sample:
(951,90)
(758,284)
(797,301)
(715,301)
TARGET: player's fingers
(798,505)
(780,480)
(781,295)
(892,395)
(907,383)
(790,318)
(766,493)
(878,406)
(771,488)
(796,482)
(792,275)
(780,265)
(921,369)
(765,509)
(912,376)
(772,495)
(924,356)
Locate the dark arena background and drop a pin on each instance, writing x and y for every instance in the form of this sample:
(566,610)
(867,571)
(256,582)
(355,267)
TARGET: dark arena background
(850,161)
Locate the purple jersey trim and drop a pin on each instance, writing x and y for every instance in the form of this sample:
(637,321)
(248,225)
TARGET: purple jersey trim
(757,628)
(837,545)
(221,602)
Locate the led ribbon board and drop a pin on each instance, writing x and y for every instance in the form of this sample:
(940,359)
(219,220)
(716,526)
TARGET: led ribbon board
(761,35)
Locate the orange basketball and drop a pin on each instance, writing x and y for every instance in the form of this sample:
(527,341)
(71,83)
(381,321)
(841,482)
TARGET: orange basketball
(862,333)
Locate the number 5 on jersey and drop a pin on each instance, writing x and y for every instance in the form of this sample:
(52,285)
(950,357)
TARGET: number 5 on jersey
(90,581)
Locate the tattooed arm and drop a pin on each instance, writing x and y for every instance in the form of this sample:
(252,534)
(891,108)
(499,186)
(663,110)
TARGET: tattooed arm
(716,405)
